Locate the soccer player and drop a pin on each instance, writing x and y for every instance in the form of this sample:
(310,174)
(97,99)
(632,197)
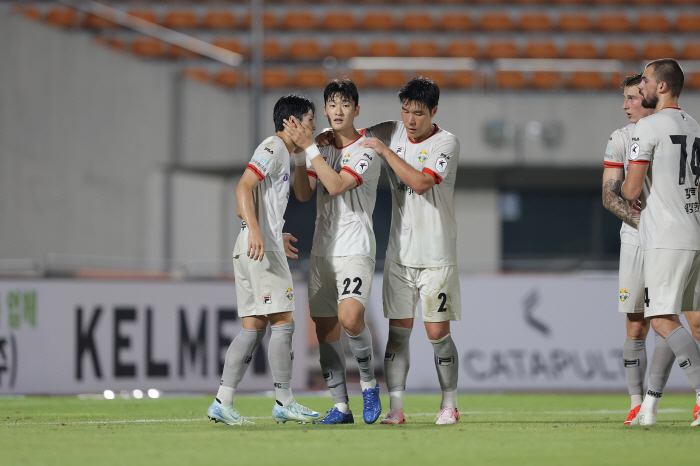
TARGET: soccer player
(421,259)
(631,278)
(664,172)
(343,250)
(263,282)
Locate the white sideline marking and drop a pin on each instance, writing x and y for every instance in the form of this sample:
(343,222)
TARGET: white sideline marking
(140,421)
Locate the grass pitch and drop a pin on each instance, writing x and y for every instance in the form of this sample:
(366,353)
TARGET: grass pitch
(521,429)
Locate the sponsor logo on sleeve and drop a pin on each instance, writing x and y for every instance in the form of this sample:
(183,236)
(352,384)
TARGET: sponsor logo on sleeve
(361,166)
(609,150)
(261,162)
(285,177)
(634,151)
(624,295)
(441,164)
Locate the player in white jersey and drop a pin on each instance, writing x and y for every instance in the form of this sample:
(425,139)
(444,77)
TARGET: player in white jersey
(421,259)
(264,286)
(664,172)
(631,277)
(343,251)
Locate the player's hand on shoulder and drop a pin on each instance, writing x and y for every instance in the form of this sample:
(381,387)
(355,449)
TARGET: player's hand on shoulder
(301,134)
(375,144)
(256,245)
(325,138)
(289,250)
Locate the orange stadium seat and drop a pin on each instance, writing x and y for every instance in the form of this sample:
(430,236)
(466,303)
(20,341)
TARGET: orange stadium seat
(389,79)
(423,48)
(510,80)
(114,43)
(196,74)
(531,2)
(502,49)
(691,51)
(417,22)
(621,51)
(545,79)
(97,22)
(580,50)
(147,47)
(685,2)
(609,2)
(305,49)
(654,50)
(652,22)
(312,77)
(219,19)
(688,23)
(541,49)
(451,21)
(437,76)
(463,49)
(359,77)
(384,48)
(61,17)
(299,20)
(586,80)
(694,81)
(569,2)
(647,2)
(274,77)
(463,79)
(574,22)
(535,22)
(339,21)
(180,19)
(344,49)
(614,22)
(495,22)
(173,51)
(269,20)
(272,50)
(227,78)
(490,2)
(230,44)
(29,12)
(144,14)
(378,21)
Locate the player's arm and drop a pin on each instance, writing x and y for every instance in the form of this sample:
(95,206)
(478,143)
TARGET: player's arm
(634,181)
(419,182)
(289,250)
(246,211)
(612,199)
(643,143)
(304,181)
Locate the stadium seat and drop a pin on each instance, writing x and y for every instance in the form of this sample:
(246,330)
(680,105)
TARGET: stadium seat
(344,49)
(510,80)
(389,79)
(147,47)
(569,2)
(541,49)
(180,19)
(310,78)
(652,22)
(97,22)
(338,21)
(227,78)
(685,2)
(625,51)
(463,49)
(609,2)
(586,80)
(463,79)
(384,48)
(495,22)
(269,20)
(173,51)
(61,17)
(144,14)
(535,22)
(272,50)
(114,43)
(437,76)
(545,79)
(299,21)
(647,2)
(688,23)
(452,21)
(531,2)
(196,74)
(305,49)
(614,22)
(274,78)
(502,49)
(359,77)
(219,19)
(230,44)
(574,22)
(580,50)
(654,50)
(691,51)
(423,48)
(694,81)
(377,21)
(29,12)
(416,22)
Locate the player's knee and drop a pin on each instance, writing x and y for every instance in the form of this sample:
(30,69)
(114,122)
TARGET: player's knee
(637,330)
(436,331)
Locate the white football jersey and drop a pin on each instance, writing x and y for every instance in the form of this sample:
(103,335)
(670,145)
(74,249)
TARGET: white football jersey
(270,163)
(669,141)
(344,222)
(423,228)
(616,157)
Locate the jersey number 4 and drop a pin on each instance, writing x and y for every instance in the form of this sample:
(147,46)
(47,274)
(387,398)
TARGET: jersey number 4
(694,158)
(347,282)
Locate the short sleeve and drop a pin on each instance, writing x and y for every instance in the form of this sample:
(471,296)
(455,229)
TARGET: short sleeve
(643,144)
(363,164)
(615,151)
(442,159)
(266,159)
(382,131)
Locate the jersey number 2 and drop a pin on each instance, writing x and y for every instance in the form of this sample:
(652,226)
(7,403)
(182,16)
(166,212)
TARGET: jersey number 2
(442,307)
(694,158)
(357,280)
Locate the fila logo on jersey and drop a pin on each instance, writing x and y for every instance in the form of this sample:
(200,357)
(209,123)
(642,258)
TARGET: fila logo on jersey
(399,150)
(269,150)
(634,151)
(624,295)
(441,164)
(632,362)
(361,166)
(446,361)
(267,299)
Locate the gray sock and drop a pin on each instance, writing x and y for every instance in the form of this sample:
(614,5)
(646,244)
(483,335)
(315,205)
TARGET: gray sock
(281,355)
(446,362)
(333,367)
(660,368)
(687,355)
(634,354)
(361,347)
(239,355)
(397,358)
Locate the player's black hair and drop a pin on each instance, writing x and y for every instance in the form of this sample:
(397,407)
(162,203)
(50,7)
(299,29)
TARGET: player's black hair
(631,81)
(291,105)
(420,90)
(669,71)
(341,87)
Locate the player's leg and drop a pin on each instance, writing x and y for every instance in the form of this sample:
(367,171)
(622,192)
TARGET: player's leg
(441,300)
(691,310)
(662,361)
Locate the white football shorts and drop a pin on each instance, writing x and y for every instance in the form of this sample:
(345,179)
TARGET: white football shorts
(437,287)
(333,279)
(672,278)
(631,279)
(263,287)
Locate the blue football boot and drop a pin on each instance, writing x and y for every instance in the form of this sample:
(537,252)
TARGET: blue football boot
(335,416)
(372,404)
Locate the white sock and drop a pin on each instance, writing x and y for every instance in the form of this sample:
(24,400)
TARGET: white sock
(284,396)
(369,384)
(650,403)
(636,400)
(342,407)
(396,400)
(449,398)
(225,395)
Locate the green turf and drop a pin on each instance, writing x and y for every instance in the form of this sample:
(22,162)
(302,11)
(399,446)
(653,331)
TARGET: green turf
(508,429)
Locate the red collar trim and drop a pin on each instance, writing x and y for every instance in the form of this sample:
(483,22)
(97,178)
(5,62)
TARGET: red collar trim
(674,108)
(435,130)
(362,133)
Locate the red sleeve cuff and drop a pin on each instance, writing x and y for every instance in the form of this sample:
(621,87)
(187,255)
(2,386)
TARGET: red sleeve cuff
(436,177)
(614,165)
(640,162)
(255,170)
(311,173)
(357,177)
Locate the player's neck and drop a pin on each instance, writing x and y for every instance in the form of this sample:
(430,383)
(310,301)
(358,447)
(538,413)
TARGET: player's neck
(345,137)
(291,147)
(666,101)
(426,135)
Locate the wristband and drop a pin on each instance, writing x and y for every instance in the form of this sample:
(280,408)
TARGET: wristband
(312,152)
(300,158)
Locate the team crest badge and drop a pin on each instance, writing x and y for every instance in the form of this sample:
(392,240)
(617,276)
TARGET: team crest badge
(624,295)
(267,299)
(423,156)
(289,293)
(346,159)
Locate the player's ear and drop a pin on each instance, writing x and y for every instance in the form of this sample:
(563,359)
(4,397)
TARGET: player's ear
(325,114)
(433,112)
(663,87)
(357,110)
